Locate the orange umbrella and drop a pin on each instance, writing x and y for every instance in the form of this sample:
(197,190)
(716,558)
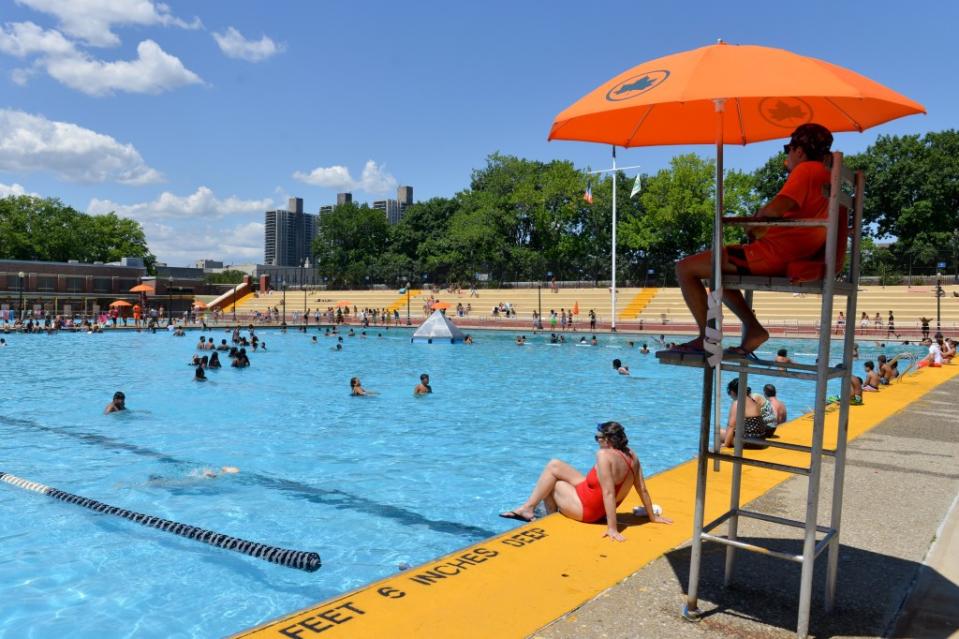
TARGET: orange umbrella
(767,92)
(142,288)
(440,305)
(576,308)
(683,98)
(120,303)
(199,304)
(343,303)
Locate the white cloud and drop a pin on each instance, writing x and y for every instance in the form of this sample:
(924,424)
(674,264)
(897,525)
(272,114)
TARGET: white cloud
(154,71)
(21,39)
(14,189)
(234,45)
(202,204)
(34,143)
(374,178)
(183,244)
(92,20)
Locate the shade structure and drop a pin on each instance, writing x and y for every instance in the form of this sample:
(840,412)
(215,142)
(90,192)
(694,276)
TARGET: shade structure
(119,303)
(768,93)
(343,303)
(199,304)
(440,306)
(142,288)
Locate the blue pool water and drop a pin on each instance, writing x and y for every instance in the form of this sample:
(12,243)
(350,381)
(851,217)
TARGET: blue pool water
(369,483)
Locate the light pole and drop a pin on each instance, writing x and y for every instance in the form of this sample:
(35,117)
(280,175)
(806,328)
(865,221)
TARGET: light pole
(408,323)
(283,286)
(21,275)
(938,301)
(169,294)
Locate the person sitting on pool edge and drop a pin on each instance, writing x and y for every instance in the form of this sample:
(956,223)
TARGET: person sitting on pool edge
(754,426)
(801,197)
(590,498)
(118,403)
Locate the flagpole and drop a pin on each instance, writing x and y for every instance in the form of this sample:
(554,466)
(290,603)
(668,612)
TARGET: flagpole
(613,278)
(612,325)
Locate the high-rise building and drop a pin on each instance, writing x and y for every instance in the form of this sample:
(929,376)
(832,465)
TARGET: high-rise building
(390,208)
(344,198)
(289,234)
(404,197)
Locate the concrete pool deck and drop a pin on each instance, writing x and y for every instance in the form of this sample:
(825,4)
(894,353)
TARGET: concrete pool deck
(558,578)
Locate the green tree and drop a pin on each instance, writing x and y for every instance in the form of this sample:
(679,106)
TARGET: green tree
(348,242)
(229,276)
(33,228)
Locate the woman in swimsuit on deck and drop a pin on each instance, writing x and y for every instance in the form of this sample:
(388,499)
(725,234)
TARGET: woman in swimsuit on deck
(594,496)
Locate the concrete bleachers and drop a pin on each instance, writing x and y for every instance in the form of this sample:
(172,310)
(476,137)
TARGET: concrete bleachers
(907,303)
(523,300)
(655,305)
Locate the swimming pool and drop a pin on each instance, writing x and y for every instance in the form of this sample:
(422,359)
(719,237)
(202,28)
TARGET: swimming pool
(369,483)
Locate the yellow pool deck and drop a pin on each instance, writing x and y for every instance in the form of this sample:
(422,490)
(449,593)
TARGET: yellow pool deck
(513,584)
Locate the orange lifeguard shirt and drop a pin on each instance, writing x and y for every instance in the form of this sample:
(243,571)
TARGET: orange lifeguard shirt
(782,245)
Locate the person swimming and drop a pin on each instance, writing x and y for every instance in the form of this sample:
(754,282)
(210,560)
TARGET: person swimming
(356,388)
(118,403)
(644,350)
(620,368)
(423,388)
(199,375)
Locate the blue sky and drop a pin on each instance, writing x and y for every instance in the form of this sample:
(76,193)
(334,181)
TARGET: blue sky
(195,117)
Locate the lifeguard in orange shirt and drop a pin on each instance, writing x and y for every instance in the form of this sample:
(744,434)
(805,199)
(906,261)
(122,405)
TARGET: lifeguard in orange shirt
(773,248)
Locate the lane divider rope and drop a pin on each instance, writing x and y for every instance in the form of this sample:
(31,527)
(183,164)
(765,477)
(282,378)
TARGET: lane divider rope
(299,559)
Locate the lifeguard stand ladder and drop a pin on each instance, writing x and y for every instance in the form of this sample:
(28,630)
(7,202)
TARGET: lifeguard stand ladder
(845,201)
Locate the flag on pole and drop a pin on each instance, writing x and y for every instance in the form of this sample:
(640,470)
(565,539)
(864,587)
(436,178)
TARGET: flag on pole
(588,195)
(636,187)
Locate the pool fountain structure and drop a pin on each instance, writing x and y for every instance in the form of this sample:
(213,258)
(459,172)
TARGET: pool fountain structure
(438,329)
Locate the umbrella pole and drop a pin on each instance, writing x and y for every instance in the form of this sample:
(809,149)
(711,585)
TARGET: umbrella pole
(612,325)
(711,384)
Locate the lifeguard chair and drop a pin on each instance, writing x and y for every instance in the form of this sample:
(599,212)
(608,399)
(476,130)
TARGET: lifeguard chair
(821,275)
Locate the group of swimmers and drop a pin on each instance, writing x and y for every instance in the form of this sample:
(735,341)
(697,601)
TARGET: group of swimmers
(423,388)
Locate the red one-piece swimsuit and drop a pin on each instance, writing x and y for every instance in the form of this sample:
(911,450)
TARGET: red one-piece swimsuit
(590,493)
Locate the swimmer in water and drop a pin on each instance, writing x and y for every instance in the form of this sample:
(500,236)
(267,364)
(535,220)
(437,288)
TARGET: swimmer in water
(520,340)
(423,388)
(200,375)
(593,342)
(118,403)
(313,340)
(644,350)
(357,390)
(620,368)
(468,339)
(214,360)
(339,347)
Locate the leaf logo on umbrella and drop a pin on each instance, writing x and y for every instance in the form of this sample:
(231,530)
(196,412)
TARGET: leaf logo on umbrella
(637,85)
(787,113)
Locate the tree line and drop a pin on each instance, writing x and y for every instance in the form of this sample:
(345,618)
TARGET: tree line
(523,220)
(45,229)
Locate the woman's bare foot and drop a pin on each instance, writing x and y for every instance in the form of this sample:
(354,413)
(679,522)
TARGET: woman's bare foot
(753,338)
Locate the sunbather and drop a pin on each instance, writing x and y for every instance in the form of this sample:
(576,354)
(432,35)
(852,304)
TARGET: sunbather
(591,497)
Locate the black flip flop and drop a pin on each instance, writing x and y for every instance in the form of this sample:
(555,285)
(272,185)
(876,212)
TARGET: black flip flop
(515,515)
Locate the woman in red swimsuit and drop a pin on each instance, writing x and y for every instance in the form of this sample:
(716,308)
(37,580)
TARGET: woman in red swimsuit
(596,495)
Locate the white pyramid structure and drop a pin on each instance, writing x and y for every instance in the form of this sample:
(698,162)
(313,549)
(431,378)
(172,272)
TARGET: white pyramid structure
(438,329)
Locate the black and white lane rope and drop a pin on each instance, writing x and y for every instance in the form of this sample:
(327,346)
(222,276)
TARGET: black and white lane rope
(299,559)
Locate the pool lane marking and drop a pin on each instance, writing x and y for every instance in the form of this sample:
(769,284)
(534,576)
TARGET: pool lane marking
(299,559)
(333,497)
(517,582)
